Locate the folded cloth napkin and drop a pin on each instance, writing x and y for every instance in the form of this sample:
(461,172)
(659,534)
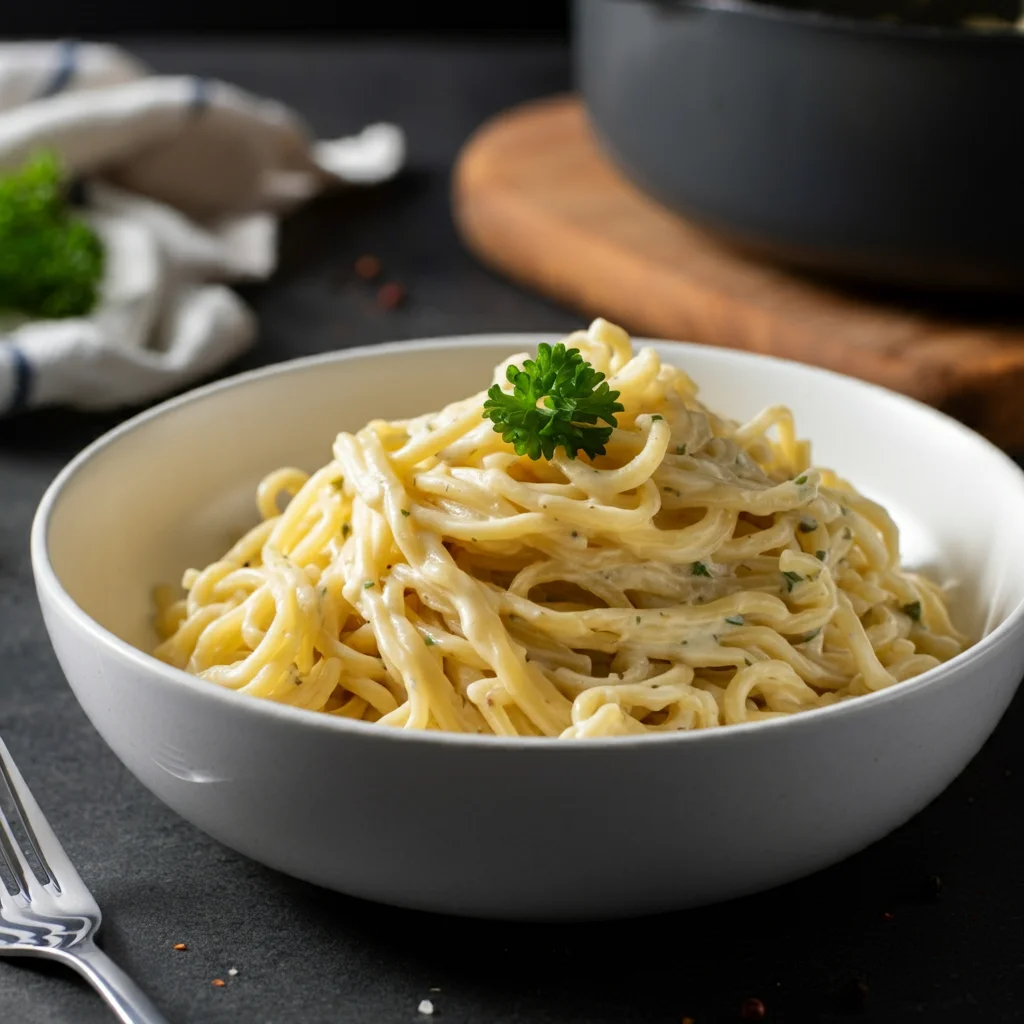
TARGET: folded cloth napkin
(183,179)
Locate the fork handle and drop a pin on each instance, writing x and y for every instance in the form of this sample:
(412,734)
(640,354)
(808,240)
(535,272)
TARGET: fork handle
(121,994)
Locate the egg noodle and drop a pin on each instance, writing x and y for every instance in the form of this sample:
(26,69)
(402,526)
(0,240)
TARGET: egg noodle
(701,573)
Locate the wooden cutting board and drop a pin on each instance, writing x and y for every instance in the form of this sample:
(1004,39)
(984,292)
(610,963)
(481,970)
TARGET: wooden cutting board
(536,199)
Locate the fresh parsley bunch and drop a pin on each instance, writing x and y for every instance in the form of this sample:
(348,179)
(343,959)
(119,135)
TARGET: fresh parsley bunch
(557,400)
(51,263)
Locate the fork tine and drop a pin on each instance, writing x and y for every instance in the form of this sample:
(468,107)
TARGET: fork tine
(12,857)
(45,844)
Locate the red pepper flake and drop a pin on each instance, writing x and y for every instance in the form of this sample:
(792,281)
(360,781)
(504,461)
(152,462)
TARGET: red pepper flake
(390,295)
(888,915)
(368,268)
(218,983)
(753,1009)
(181,947)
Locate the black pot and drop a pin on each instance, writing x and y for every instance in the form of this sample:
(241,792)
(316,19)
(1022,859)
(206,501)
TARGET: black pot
(883,152)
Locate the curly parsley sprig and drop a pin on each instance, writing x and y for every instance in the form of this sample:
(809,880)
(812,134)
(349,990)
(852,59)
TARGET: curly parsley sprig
(51,262)
(557,400)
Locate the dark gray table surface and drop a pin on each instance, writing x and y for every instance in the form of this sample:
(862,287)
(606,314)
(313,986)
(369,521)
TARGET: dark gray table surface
(303,954)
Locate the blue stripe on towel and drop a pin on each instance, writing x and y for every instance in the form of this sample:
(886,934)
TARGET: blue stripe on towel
(22,374)
(67,61)
(200,95)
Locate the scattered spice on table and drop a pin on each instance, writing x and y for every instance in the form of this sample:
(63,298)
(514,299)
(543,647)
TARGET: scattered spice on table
(218,983)
(426,1007)
(181,947)
(390,295)
(753,1009)
(368,268)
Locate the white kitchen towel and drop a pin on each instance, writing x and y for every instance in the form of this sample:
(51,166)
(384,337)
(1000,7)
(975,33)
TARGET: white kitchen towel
(183,179)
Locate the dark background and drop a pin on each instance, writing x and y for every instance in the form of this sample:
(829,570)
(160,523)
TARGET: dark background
(393,17)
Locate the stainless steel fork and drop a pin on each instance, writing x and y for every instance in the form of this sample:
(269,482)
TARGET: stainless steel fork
(56,916)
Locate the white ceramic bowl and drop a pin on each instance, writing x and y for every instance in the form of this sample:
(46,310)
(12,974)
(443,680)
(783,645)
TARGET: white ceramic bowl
(517,828)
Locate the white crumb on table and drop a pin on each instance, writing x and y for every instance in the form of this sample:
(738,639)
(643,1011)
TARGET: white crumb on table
(232,971)
(426,1007)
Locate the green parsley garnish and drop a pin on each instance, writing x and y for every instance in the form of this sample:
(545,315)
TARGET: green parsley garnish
(680,449)
(656,417)
(429,641)
(406,513)
(801,479)
(792,578)
(808,525)
(368,585)
(556,401)
(700,569)
(51,262)
(735,620)
(810,636)
(913,610)
(820,555)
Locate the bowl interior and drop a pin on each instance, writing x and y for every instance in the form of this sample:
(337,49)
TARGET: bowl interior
(175,487)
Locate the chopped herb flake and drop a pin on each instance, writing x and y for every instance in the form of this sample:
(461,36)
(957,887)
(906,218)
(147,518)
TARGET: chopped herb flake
(913,610)
(574,533)
(368,585)
(638,620)
(735,620)
(808,525)
(700,569)
(406,513)
(792,578)
(429,641)
(801,479)
(656,417)
(847,534)
(680,449)
(810,636)
(345,529)
(748,662)
(820,555)
(339,483)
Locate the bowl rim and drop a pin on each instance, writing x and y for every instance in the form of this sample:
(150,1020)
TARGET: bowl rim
(48,582)
(850,25)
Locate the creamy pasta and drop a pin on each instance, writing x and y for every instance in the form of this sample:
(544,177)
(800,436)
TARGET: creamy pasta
(700,573)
